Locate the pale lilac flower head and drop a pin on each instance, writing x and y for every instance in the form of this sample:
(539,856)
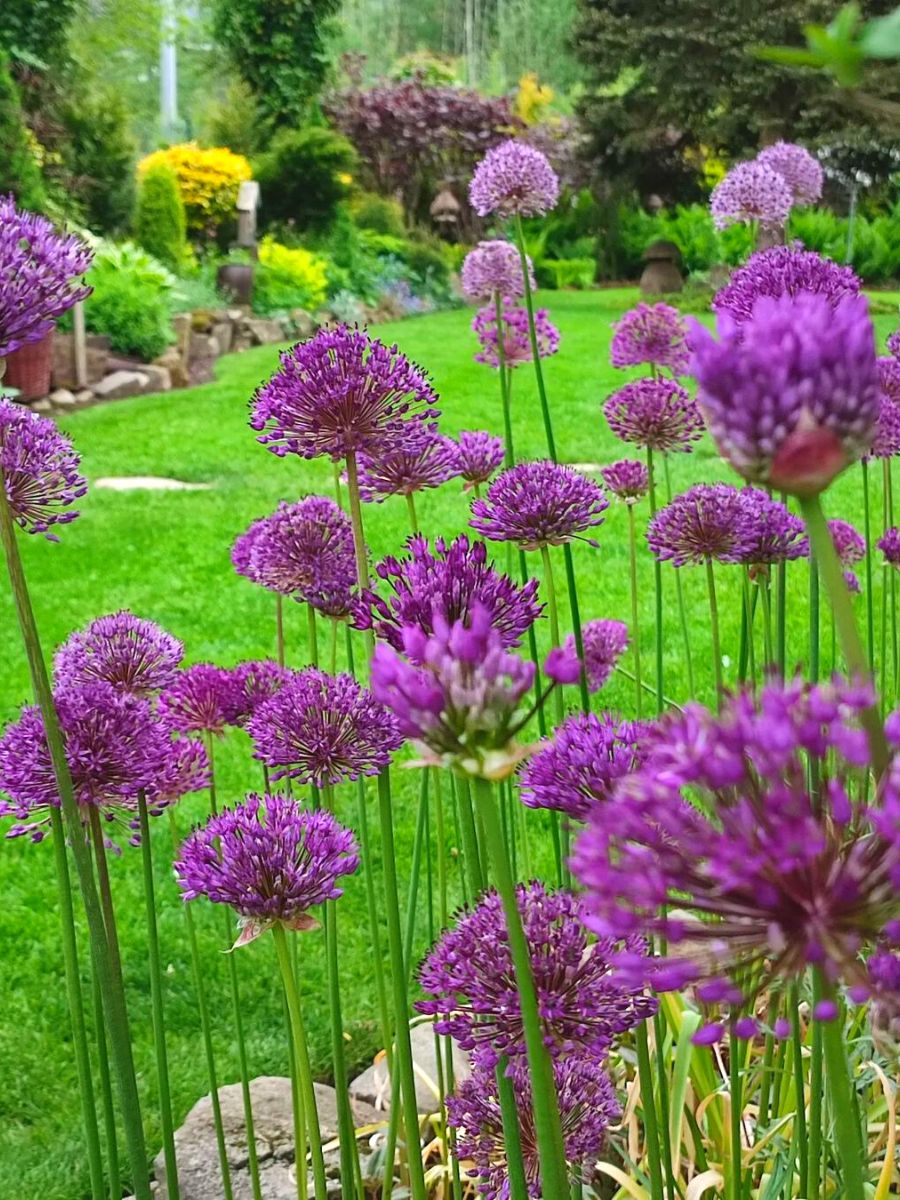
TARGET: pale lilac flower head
(657,414)
(408,462)
(492,269)
(132,654)
(513,179)
(257,682)
(604,644)
(791,395)
(886,442)
(40,469)
(774,534)
(203,698)
(539,504)
(476,456)
(650,333)
(471,984)
(38,272)
(707,523)
(800,170)
(338,393)
(783,271)
(446,582)
(750,192)
(270,860)
(628,480)
(889,545)
(515,334)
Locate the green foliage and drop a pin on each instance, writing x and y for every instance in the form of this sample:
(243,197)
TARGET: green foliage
(232,119)
(98,153)
(130,300)
(565,272)
(288,277)
(378,213)
(304,176)
(160,225)
(33,32)
(19,171)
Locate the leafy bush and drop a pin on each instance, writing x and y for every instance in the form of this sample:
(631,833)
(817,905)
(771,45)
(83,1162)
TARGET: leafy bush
(288,278)
(565,272)
(378,213)
(207,179)
(130,300)
(304,177)
(160,220)
(19,172)
(99,154)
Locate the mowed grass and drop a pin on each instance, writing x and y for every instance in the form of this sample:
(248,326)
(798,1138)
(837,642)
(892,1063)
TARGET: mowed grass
(165,555)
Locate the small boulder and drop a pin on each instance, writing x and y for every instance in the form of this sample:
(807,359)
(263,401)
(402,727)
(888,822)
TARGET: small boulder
(373,1086)
(172,362)
(120,384)
(63,398)
(160,378)
(223,332)
(264,331)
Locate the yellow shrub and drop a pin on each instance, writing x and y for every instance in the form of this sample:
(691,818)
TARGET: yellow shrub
(208,181)
(288,278)
(532,98)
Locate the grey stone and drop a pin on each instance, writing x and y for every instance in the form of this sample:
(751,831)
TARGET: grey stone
(62,397)
(172,361)
(373,1086)
(182,325)
(235,314)
(202,348)
(160,377)
(120,384)
(264,331)
(63,364)
(41,406)
(223,332)
(85,396)
(303,322)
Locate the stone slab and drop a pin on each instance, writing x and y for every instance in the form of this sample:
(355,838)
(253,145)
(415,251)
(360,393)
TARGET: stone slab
(120,384)
(373,1086)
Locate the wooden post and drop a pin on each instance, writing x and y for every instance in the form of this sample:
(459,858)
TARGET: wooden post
(79,341)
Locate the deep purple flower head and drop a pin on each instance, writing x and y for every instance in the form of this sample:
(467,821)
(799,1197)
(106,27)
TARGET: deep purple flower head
(604,644)
(270,860)
(716,845)
(203,698)
(38,270)
(893,343)
(792,395)
(515,334)
(257,682)
(657,414)
(471,983)
(132,654)
(751,191)
(707,523)
(513,179)
(889,377)
(848,542)
(410,461)
(889,545)
(339,393)
(446,582)
(40,468)
(883,970)
(323,729)
(494,269)
(774,535)
(886,442)
(587,1104)
(303,550)
(476,456)
(579,767)
(539,504)
(783,271)
(650,333)
(800,170)
(628,480)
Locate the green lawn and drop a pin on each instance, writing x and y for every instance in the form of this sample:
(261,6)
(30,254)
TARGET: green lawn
(166,556)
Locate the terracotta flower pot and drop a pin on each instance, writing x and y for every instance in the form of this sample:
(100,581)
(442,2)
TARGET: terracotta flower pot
(28,369)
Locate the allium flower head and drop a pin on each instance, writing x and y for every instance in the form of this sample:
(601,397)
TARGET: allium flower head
(751,191)
(132,654)
(774,535)
(883,970)
(893,343)
(848,542)
(446,582)
(628,480)
(410,461)
(783,271)
(513,179)
(323,729)
(202,699)
(657,414)
(494,269)
(38,270)
(886,442)
(604,644)
(889,377)
(515,334)
(476,456)
(471,983)
(270,860)
(889,545)
(339,393)
(587,1104)
(539,504)
(257,682)
(800,170)
(707,523)
(791,395)
(579,767)
(40,469)
(650,333)
(718,823)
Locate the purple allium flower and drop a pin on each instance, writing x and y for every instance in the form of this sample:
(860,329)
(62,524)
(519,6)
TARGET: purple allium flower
(886,442)
(303,550)
(707,523)
(469,975)
(628,480)
(718,824)
(539,504)
(587,1104)
(657,414)
(783,271)
(339,393)
(257,682)
(893,343)
(515,333)
(604,644)
(889,377)
(494,269)
(476,456)
(410,461)
(774,535)
(884,976)
(889,545)
(791,395)
(848,542)
(202,699)
(270,860)
(580,765)
(40,469)
(38,269)
(446,582)
(800,170)
(650,333)
(456,693)
(751,191)
(513,179)
(323,729)
(132,654)
(186,769)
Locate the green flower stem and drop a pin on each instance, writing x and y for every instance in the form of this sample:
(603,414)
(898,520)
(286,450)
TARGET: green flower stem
(799,1094)
(737,1104)
(747,654)
(714,630)
(781,610)
(334,644)
(356,521)
(106,1092)
(576,625)
(765,1082)
(816,1093)
(841,1093)
(279,629)
(156,1005)
(301,1064)
(648,1104)
(679,596)
(657,594)
(474,867)
(888,522)
(870,600)
(768,644)
(548,1129)
(411,509)
(553,613)
(533,652)
(532,333)
(505,381)
(117,1015)
(313,635)
(854,655)
(635,617)
(243,1066)
(338,494)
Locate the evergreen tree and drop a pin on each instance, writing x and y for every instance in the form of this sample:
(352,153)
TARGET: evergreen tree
(159,224)
(19,171)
